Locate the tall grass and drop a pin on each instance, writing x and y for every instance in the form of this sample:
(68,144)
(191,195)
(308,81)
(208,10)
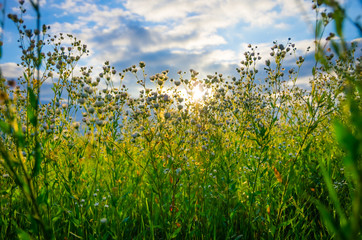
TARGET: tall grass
(256,158)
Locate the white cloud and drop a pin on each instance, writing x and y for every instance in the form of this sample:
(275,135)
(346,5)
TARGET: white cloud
(178,33)
(357,40)
(221,56)
(303,82)
(294,7)
(11,70)
(160,11)
(180,24)
(75,6)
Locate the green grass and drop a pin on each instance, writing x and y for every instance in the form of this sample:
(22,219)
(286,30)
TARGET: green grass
(259,158)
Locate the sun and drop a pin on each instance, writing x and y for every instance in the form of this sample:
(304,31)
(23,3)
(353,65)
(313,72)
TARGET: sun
(197,94)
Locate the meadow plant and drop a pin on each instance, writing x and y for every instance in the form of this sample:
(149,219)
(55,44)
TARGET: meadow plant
(254,157)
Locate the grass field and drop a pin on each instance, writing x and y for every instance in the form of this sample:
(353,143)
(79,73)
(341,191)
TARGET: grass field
(217,158)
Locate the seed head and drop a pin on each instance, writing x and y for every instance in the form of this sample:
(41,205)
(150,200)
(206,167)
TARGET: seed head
(99,122)
(142,64)
(99,103)
(91,110)
(167,115)
(81,100)
(76,125)
(135,135)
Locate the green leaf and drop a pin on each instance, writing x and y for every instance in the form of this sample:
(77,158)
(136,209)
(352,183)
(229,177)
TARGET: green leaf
(22,235)
(338,16)
(272,229)
(55,219)
(333,195)
(67,188)
(5,127)
(336,47)
(20,137)
(38,159)
(70,175)
(286,223)
(176,232)
(345,137)
(33,100)
(327,219)
(125,219)
(319,29)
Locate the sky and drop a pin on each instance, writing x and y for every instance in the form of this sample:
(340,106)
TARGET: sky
(205,35)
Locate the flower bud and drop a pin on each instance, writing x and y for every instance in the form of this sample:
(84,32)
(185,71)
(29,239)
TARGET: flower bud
(91,110)
(142,64)
(167,115)
(76,125)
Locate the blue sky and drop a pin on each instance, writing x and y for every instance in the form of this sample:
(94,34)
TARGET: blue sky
(206,35)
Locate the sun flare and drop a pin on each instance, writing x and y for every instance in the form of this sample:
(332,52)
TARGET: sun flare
(197,94)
